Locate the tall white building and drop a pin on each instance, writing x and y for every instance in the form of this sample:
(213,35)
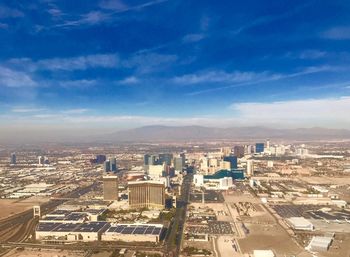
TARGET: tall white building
(250,168)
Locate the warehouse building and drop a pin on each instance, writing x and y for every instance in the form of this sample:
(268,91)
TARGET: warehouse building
(320,243)
(67,232)
(134,233)
(300,223)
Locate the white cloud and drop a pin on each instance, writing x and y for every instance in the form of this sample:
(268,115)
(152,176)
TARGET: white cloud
(83,83)
(312,54)
(26,109)
(80,62)
(260,78)
(219,76)
(6,12)
(328,112)
(189,38)
(3,26)
(76,111)
(148,62)
(15,79)
(337,33)
(129,81)
(115,5)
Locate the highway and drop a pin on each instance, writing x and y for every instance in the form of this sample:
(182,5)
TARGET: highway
(174,239)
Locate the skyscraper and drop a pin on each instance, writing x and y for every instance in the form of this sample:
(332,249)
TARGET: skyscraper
(259,147)
(152,160)
(145,159)
(232,160)
(165,157)
(178,163)
(110,188)
(250,168)
(107,166)
(13,159)
(146,194)
(41,160)
(113,164)
(238,151)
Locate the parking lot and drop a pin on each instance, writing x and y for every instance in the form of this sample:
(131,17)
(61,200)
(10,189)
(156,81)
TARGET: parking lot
(210,196)
(289,210)
(212,228)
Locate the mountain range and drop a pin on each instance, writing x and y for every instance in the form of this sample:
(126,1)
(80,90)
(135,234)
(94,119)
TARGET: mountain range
(199,133)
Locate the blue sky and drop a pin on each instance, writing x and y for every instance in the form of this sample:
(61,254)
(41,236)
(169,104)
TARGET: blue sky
(118,64)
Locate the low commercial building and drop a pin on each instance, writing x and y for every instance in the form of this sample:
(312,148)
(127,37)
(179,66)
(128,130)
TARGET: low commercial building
(263,253)
(67,232)
(300,223)
(320,243)
(133,233)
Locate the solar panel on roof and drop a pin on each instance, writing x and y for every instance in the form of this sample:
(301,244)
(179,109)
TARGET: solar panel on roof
(156,231)
(139,230)
(149,230)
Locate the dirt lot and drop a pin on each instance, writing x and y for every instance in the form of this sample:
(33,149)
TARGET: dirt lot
(326,180)
(263,231)
(44,253)
(10,207)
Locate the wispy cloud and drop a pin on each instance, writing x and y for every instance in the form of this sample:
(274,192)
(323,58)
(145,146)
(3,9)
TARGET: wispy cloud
(337,33)
(3,26)
(273,77)
(115,5)
(263,20)
(309,54)
(129,81)
(148,62)
(15,79)
(26,109)
(190,38)
(109,12)
(219,77)
(76,111)
(6,12)
(72,63)
(84,83)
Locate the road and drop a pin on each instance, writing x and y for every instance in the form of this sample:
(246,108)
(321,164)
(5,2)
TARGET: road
(174,239)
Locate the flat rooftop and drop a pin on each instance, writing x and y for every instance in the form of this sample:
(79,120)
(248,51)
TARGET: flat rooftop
(136,229)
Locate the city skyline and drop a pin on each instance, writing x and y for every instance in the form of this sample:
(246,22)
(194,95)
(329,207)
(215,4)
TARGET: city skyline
(112,65)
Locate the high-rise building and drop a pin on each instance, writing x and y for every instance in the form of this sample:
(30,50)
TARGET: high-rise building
(250,168)
(238,151)
(107,166)
(232,160)
(113,164)
(152,160)
(165,157)
(259,147)
(13,159)
(110,188)
(225,151)
(100,158)
(178,163)
(41,160)
(146,194)
(145,159)
(268,144)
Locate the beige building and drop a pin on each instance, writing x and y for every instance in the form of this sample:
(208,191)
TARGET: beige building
(110,188)
(146,194)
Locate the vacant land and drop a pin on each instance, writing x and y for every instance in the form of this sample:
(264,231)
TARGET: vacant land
(44,253)
(11,207)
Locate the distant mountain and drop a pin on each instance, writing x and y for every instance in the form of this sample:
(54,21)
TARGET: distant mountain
(174,133)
